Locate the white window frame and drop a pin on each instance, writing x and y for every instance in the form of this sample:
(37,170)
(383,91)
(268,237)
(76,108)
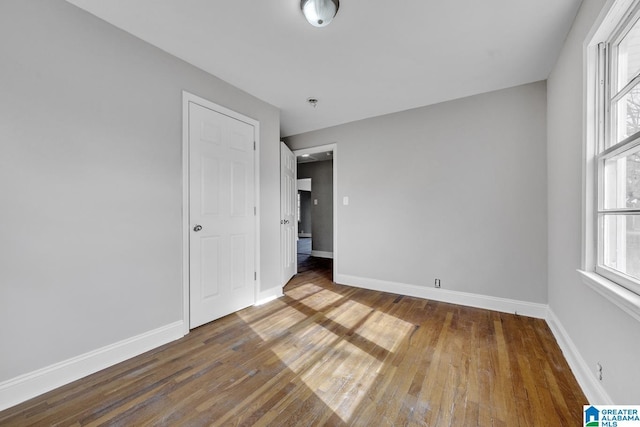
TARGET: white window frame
(610,27)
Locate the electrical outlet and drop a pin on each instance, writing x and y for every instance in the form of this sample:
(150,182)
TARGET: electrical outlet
(437,283)
(599,371)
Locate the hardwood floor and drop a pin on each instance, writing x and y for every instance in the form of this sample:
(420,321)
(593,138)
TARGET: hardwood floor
(333,355)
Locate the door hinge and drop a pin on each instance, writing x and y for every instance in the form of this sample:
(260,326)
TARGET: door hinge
(255,211)
(255,275)
(254,146)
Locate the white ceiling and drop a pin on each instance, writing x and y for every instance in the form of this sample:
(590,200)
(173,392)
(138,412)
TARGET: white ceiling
(376,57)
(315,157)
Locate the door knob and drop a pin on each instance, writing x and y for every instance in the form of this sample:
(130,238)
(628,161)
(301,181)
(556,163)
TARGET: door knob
(197,228)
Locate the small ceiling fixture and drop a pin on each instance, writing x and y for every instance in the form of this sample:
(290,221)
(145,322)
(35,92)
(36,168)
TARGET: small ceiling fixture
(313,102)
(319,13)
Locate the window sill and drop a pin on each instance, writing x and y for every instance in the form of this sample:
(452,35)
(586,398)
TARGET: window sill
(621,297)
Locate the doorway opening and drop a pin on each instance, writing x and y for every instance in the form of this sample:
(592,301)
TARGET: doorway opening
(317,207)
(304,219)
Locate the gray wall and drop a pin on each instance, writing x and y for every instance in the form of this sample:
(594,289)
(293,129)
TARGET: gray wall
(591,321)
(91,183)
(455,191)
(321,174)
(304,225)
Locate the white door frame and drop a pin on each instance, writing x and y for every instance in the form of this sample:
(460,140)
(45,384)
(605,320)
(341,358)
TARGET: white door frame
(321,149)
(186,226)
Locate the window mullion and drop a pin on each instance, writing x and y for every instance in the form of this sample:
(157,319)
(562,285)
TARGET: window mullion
(625,90)
(625,145)
(620,211)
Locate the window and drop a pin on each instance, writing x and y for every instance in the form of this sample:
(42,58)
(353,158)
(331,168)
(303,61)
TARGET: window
(616,154)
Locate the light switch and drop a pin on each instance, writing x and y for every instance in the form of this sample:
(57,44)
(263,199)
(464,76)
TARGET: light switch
(345,200)
(315,201)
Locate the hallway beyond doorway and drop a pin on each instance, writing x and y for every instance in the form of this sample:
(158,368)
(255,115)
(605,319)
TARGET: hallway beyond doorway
(304,250)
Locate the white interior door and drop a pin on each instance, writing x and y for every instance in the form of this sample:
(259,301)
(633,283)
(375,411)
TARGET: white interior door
(221,213)
(288,213)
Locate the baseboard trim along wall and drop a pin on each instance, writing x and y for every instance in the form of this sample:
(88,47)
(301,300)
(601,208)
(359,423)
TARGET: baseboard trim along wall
(454,297)
(322,254)
(594,391)
(32,384)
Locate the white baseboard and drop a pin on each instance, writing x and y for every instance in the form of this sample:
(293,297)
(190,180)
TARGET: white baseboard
(322,254)
(32,384)
(505,305)
(584,375)
(269,295)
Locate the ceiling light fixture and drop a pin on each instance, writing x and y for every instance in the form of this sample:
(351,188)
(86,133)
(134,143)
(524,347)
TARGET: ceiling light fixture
(313,102)
(319,13)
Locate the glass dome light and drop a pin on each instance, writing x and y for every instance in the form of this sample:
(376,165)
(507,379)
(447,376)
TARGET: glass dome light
(319,13)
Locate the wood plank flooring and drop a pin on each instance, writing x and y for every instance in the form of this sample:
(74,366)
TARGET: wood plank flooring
(332,355)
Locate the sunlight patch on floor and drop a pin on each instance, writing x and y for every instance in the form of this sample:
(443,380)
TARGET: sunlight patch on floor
(342,389)
(349,314)
(309,349)
(385,330)
(319,300)
(285,318)
(324,359)
(303,291)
